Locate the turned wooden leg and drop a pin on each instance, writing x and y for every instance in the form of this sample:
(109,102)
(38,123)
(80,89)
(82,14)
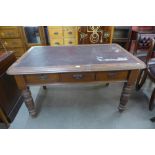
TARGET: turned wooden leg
(151,103)
(127,88)
(44,87)
(125,96)
(29,101)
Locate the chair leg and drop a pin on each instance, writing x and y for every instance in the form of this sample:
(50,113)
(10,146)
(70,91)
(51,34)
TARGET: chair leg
(44,87)
(4,119)
(141,79)
(151,103)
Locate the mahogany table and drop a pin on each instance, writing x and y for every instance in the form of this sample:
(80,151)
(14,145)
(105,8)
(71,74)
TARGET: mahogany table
(43,65)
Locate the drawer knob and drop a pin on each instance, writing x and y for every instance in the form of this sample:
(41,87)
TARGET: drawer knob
(43,77)
(57,43)
(77,76)
(56,33)
(69,32)
(70,42)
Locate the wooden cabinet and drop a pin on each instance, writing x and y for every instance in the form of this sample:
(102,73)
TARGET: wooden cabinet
(13,40)
(10,95)
(122,35)
(95,34)
(34,36)
(62,35)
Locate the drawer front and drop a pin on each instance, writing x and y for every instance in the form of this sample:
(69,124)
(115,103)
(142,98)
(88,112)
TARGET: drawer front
(9,33)
(56,42)
(69,32)
(41,78)
(10,43)
(55,33)
(77,77)
(69,41)
(112,76)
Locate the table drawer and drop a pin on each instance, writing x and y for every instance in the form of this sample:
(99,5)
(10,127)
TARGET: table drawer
(55,33)
(41,78)
(56,42)
(69,32)
(10,43)
(70,41)
(9,33)
(77,77)
(111,75)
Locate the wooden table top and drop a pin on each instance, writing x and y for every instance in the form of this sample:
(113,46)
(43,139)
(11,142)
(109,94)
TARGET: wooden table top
(79,58)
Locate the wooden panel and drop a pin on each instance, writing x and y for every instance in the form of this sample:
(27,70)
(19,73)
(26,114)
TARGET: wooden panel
(10,96)
(95,34)
(10,43)
(70,41)
(55,33)
(112,76)
(42,78)
(9,33)
(77,77)
(56,42)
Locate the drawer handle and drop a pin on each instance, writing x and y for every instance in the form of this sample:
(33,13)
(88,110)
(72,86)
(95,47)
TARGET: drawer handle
(77,76)
(70,42)
(112,74)
(70,32)
(56,33)
(43,77)
(57,43)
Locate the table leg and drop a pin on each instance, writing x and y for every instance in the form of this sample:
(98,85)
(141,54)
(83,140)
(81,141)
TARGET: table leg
(127,89)
(29,101)
(125,96)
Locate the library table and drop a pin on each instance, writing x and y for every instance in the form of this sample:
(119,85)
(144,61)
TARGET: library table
(43,65)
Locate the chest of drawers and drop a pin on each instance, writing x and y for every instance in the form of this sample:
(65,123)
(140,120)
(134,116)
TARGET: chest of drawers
(62,35)
(12,38)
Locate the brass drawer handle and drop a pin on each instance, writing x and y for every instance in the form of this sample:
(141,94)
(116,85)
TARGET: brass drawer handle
(112,74)
(57,43)
(56,33)
(70,32)
(77,76)
(70,42)
(43,77)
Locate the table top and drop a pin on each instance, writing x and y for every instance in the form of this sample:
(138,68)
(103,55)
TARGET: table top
(78,58)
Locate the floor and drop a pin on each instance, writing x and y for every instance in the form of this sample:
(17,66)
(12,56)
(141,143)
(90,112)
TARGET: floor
(89,106)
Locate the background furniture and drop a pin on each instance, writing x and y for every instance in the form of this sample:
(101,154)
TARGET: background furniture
(10,95)
(62,35)
(13,39)
(95,34)
(144,50)
(122,35)
(73,64)
(34,36)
